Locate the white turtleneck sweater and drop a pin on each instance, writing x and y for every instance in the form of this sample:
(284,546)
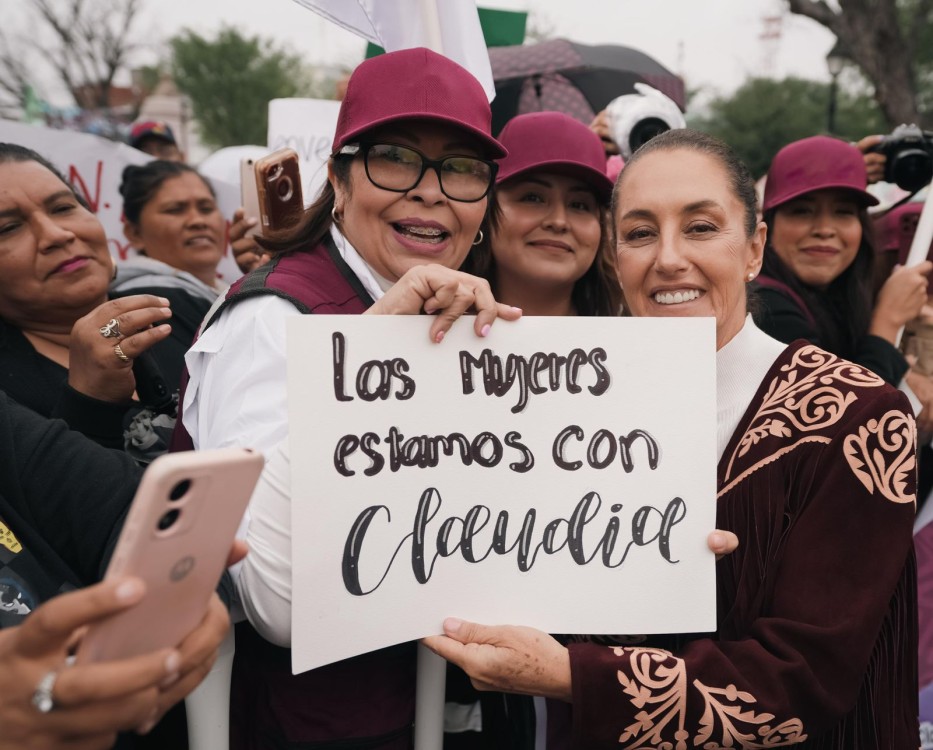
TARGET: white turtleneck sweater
(741,365)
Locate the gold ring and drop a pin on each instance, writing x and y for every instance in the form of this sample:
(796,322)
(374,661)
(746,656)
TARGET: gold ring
(119,352)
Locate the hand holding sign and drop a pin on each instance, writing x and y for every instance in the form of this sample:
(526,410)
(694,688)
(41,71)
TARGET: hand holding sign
(449,294)
(507,658)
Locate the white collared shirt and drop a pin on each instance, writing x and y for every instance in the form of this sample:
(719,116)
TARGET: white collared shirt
(236,393)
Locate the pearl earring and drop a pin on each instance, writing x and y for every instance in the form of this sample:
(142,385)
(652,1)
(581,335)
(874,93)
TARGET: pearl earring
(751,277)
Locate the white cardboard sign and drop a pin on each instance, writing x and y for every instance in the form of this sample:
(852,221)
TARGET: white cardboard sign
(560,473)
(94,166)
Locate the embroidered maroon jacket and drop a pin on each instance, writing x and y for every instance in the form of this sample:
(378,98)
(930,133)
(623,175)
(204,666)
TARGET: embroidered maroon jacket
(817,638)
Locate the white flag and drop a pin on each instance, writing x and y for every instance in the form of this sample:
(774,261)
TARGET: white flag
(449,27)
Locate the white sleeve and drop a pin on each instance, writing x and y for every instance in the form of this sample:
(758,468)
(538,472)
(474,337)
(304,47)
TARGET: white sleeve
(236,389)
(265,581)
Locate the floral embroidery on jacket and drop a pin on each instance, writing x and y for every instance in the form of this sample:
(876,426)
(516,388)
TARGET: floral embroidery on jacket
(805,398)
(881,455)
(658,684)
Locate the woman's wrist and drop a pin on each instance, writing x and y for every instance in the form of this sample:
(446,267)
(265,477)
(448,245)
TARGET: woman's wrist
(884,328)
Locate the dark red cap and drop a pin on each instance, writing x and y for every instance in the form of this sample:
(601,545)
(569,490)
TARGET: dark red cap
(815,163)
(554,142)
(151,129)
(414,84)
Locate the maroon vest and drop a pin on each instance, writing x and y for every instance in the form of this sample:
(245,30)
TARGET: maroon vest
(365,702)
(319,282)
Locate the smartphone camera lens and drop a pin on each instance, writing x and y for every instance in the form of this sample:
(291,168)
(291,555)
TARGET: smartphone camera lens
(168,519)
(274,173)
(283,189)
(180,490)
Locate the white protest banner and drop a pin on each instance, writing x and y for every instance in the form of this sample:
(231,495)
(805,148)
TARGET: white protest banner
(559,473)
(94,166)
(308,126)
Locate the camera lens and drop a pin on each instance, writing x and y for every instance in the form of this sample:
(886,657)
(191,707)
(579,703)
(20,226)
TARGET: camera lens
(911,168)
(644,130)
(168,519)
(283,189)
(274,173)
(180,490)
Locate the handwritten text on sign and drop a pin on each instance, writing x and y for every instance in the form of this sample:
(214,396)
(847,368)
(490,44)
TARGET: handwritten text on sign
(559,473)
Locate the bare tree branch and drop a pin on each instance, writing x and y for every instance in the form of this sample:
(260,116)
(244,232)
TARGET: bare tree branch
(14,72)
(873,33)
(92,43)
(818,10)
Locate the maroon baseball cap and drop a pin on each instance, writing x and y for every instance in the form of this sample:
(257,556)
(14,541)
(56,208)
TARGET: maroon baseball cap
(414,84)
(151,129)
(815,163)
(554,142)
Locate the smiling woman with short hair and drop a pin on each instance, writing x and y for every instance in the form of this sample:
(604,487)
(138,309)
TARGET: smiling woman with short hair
(816,644)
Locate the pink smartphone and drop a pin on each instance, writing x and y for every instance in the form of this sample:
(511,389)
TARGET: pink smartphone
(177,537)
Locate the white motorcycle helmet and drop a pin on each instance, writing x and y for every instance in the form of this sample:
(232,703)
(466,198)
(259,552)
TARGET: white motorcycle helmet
(634,119)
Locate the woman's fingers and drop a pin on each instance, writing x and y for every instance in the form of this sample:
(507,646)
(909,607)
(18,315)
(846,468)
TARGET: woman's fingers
(198,652)
(506,657)
(487,309)
(116,307)
(722,543)
(133,346)
(123,712)
(111,680)
(246,252)
(49,628)
(140,319)
(461,301)
(447,294)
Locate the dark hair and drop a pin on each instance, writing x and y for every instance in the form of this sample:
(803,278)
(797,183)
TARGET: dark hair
(317,220)
(13,153)
(597,292)
(141,183)
(842,310)
(740,178)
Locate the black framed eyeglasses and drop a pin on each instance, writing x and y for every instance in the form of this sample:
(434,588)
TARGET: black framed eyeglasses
(397,168)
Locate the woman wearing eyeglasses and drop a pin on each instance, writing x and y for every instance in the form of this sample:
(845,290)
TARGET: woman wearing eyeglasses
(408,179)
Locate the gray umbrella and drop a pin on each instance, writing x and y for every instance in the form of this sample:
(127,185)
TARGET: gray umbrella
(578,79)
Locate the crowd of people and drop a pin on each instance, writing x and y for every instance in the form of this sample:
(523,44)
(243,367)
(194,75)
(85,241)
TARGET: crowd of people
(108,365)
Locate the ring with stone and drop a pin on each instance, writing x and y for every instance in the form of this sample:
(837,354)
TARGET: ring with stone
(111,330)
(42,697)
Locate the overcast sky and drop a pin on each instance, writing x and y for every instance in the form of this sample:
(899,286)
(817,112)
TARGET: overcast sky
(715,44)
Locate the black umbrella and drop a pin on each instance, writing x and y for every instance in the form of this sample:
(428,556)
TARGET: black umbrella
(578,79)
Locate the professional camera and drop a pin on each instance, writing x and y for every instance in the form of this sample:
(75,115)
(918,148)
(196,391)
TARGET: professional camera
(909,152)
(634,119)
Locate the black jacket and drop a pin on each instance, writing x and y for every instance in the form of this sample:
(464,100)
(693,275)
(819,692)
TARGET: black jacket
(780,316)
